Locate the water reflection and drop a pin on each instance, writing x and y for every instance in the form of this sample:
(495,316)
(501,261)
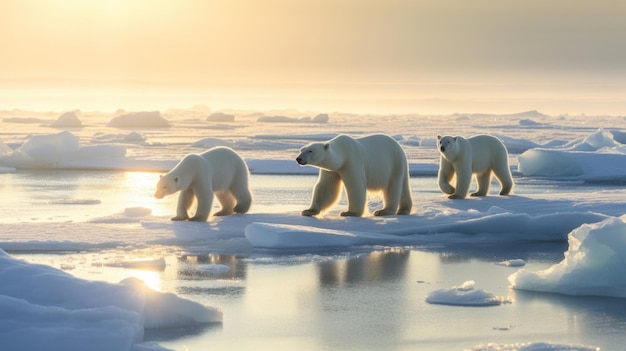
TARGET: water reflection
(374,267)
(211,274)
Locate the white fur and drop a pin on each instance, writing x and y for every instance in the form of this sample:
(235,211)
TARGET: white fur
(376,162)
(480,155)
(219,171)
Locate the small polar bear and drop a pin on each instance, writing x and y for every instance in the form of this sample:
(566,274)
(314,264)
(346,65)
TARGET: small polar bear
(480,155)
(220,171)
(375,162)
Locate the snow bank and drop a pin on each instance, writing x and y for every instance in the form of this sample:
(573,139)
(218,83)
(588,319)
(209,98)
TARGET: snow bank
(594,264)
(597,157)
(145,119)
(47,309)
(464,295)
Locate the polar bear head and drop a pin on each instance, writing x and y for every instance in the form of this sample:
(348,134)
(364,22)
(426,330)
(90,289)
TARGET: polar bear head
(167,185)
(313,154)
(448,146)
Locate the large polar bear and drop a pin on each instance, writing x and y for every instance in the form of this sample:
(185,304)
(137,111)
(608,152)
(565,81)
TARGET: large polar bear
(480,155)
(219,171)
(375,162)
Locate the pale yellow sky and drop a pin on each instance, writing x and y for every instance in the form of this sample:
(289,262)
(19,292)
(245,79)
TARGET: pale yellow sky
(394,55)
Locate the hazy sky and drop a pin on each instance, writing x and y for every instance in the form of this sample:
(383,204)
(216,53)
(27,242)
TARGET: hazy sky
(327,54)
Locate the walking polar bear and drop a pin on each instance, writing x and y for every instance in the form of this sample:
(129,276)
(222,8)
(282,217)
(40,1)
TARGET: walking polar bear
(219,171)
(480,155)
(375,162)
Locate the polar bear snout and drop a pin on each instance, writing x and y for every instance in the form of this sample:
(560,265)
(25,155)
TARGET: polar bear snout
(443,149)
(301,161)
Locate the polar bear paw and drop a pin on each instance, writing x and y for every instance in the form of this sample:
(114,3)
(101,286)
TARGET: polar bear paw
(350,214)
(197,218)
(384,212)
(223,212)
(179,218)
(310,212)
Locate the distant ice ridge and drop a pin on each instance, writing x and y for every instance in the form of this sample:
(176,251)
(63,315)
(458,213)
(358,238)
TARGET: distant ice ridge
(597,157)
(601,156)
(594,264)
(44,308)
(54,150)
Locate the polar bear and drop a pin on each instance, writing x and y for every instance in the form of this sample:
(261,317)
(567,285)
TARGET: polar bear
(375,162)
(480,155)
(220,171)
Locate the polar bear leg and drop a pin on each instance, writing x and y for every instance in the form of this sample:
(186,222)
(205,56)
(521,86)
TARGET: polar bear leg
(503,174)
(243,198)
(445,175)
(391,198)
(483,180)
(240,190)
(227,201)
(325,193)
(185,199)
(204,196)
(463,180)
(406,201)
(357,193)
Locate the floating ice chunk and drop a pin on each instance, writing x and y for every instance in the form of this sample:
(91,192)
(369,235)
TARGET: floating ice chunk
(321,118)
(67,120)
(464,295)
(145,119)
(45,308)
(548,163)
(594,263)
(512,263)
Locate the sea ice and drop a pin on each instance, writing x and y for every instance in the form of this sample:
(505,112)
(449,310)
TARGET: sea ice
(144,119)
(45,308)
(594,263)
(67,120)
(464,295)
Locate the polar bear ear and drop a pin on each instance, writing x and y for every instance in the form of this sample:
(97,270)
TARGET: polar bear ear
(455,138)
(438,136)
(326,146)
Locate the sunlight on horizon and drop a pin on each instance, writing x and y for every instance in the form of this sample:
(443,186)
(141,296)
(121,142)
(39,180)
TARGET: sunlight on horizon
(365,56)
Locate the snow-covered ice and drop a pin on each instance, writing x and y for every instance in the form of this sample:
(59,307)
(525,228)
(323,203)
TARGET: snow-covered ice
(594,263)
(74,192)
(46,309)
